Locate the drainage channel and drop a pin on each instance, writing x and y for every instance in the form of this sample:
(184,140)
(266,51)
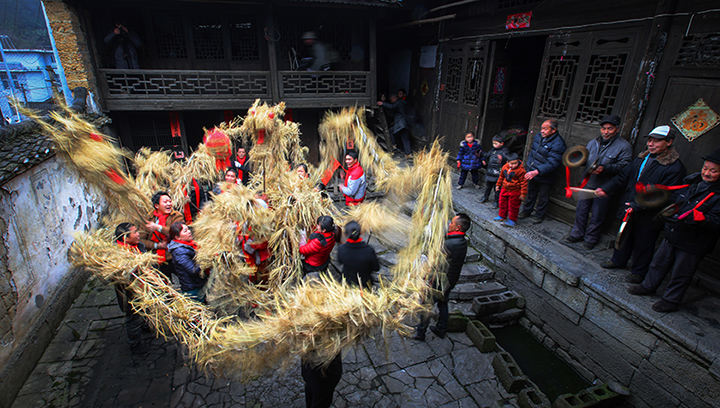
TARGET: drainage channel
(552,375)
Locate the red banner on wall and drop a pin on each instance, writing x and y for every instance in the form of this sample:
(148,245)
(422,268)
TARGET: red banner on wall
(175,125)
(520,20)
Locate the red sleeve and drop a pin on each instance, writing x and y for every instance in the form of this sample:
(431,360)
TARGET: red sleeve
(313,246)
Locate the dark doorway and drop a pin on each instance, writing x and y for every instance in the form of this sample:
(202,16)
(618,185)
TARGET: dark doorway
(511,90)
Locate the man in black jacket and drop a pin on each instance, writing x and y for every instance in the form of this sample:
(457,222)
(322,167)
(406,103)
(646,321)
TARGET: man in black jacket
(690,234)
(659,164)
(357,257)
(543,161)
(455,250)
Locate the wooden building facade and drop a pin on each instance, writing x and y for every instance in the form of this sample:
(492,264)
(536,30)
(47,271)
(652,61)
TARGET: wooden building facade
(205,62)
(575,62)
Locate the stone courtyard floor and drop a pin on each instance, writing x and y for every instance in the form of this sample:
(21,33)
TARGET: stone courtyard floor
(89,364)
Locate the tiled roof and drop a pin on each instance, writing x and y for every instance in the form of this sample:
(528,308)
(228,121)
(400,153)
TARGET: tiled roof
(23,146)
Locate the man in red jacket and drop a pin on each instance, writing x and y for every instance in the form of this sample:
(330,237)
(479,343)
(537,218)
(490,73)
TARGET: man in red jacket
(355,185)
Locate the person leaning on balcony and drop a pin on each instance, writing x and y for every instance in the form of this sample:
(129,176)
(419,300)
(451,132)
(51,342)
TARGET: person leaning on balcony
(155,233)
(659,164)
(608,153)
(690,233)
(125,45)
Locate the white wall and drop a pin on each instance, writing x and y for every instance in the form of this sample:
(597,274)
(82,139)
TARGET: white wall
(43,208)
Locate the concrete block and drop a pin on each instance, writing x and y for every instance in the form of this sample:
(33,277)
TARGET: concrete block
(486,305)
(503,317)
(475,273)
(481,337)
(523,265)
(571,296)
(532,398)
(508,372)
(457,322)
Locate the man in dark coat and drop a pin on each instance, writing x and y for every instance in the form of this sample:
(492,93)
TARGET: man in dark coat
(357,257)
(541,167)
(608,154)
(127,237)
(455,250)
(399,128)
(690,234)
(659,164)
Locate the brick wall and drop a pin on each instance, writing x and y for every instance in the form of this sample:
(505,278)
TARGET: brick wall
(8,294)
(71,44)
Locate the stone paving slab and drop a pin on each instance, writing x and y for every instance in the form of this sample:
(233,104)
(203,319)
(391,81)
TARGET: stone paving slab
(89,364)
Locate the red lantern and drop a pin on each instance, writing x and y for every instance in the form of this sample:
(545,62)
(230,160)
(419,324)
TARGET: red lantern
(219,146)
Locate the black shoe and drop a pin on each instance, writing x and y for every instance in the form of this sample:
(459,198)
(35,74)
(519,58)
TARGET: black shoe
(483,201)
(495,206)
(663,306)
(537,220)
(639,290)
(571,240)
(139,349)
(589,245)
(635,279)
(610,265)
(438,332)
(523,215)
(419,336)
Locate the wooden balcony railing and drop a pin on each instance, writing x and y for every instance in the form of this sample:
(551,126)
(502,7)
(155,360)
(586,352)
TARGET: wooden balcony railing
(178,89)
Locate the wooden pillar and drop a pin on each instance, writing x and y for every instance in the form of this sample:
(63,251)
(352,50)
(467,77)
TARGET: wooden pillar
(372,39)
(272,55)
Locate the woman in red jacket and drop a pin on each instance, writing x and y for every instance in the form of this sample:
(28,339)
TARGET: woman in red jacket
(319,245)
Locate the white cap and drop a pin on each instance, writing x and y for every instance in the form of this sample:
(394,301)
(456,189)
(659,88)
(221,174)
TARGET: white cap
(662,132)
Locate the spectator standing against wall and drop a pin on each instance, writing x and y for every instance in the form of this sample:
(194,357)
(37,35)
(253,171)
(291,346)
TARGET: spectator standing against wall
(607,155)
(400,127)
(690,233)
(494,160)
(659,164)
(541,167)
(469,159)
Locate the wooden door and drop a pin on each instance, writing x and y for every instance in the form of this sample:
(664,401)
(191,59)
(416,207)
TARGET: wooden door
(464,71)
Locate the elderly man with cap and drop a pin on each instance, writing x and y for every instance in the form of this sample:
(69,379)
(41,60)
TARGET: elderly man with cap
(608,154)
(659,164)
(691,232)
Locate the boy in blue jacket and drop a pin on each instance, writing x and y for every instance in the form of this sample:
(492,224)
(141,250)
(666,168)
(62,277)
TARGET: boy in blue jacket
(469,158)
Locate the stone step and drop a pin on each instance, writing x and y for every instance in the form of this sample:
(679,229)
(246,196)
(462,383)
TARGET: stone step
(467,291)
(388,259)
(504,317)
(472,255)
(475,273)
(384,274)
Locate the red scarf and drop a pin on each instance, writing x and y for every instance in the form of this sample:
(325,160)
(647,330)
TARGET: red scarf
(456,233)
(187,213)
(131,248)
(192,244)
(159,236)
(240,172)
(353,241)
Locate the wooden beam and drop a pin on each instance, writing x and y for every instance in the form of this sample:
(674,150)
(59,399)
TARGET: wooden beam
(458,3)
(425,21)
(372,33)
(272,55)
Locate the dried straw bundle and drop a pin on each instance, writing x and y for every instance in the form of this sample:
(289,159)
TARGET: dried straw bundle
(95,158)
(372,216)
(155,171)
(200,166)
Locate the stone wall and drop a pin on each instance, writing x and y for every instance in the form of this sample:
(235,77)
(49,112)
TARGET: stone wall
(40,211)
(71,44)
(583,314)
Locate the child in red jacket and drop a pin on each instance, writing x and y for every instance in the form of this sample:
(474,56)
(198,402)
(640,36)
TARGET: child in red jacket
(513,189)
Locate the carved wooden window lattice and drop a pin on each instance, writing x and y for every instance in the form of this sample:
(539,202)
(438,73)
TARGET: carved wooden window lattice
(302,84)
(244,41)
(473,81)
(557,85)
(158,84)
(208,41)
(169,36)
(699,51)
(150,131)
(452,81)
(601,87)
